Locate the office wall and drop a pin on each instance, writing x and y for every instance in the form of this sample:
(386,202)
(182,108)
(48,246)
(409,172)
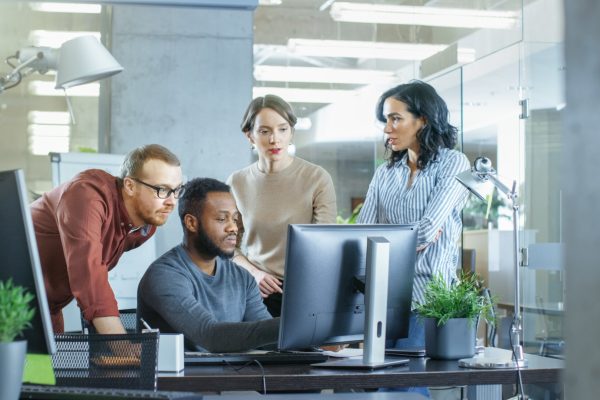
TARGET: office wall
(581,198)
(186,83)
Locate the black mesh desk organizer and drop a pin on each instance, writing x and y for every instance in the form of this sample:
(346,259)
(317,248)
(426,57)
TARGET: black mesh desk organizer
(126,361)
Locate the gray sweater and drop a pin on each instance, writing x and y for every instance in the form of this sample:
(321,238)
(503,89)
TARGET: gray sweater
(220,313)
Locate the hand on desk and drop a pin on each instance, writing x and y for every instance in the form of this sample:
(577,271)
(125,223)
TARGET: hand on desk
(334,348)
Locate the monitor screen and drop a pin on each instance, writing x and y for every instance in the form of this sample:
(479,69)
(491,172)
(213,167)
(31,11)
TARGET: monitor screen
(20,259)
(321,302)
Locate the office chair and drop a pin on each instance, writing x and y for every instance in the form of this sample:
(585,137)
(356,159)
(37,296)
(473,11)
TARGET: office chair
(467,260)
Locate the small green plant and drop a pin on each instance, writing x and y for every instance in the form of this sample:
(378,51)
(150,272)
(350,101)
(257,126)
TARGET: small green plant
(352,218)
(463,299)
(15,311)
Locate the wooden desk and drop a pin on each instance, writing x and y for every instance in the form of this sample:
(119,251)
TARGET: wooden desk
(419,372)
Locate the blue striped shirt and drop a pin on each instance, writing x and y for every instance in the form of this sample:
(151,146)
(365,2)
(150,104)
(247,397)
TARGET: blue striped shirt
(434,201)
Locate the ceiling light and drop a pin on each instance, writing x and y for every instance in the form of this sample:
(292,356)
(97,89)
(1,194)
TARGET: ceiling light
(296,95)
(356,49)
(423,15)
(74,8)
(269,2)
(46,88)
(56,38)
(272,73)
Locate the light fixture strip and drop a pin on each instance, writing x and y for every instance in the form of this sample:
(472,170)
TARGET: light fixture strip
(48,117)
(297,95)
(74,8)
(44,139)
(423,15)
(360,49)
(55,39)
(271,73)
(46,88)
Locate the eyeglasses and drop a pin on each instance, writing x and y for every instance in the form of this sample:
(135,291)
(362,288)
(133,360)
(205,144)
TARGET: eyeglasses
(161,191)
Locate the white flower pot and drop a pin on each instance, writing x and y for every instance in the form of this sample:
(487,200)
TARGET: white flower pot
(12,361)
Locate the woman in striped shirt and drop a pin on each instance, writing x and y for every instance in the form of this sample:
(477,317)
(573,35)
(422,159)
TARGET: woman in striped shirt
(417,184)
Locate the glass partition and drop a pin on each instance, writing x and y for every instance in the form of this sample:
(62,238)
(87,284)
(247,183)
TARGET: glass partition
(492,128)
(543,71)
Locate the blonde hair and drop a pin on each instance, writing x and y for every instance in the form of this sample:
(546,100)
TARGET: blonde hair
(136,158)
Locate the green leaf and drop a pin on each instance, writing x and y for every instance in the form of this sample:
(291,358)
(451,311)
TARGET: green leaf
(15,311)
(463,299)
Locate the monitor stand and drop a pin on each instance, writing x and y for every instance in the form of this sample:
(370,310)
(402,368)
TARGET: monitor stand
(376,294)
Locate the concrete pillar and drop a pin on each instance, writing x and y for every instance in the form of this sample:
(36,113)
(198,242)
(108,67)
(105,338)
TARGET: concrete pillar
(186,83)
(582,198)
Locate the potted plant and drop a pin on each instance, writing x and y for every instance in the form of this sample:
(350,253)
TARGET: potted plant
(450,313)
(15,316)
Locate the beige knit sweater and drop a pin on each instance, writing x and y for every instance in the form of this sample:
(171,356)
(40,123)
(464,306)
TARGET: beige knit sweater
(302,193)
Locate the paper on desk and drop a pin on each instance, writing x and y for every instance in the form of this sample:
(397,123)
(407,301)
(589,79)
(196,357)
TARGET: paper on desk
(344,353)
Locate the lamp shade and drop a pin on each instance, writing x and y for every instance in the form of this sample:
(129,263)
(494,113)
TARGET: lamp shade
(82,60)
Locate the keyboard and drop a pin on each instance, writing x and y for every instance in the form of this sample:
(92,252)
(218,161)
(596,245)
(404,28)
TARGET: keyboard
(414,352)
(43,392)
(267,358)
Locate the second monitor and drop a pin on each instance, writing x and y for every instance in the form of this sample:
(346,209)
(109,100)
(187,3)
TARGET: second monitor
(322,303)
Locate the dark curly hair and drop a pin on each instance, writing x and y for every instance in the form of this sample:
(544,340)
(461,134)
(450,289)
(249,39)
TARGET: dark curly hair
(421,100)
(195,194)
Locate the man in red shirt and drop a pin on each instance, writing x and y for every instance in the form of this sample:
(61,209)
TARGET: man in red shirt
(84,225)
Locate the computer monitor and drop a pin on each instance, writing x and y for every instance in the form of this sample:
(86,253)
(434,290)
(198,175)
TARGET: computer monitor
(321,300)
(20,259)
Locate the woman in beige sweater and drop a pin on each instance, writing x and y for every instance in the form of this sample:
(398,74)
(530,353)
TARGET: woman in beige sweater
(277,190)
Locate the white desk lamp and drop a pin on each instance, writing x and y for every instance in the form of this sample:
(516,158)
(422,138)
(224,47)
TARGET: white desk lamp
(80,60)
(481,180)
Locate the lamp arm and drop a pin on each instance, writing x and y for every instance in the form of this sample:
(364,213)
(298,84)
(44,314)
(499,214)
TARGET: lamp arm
(26,63)
(517,327)
(16,72)
(510,193)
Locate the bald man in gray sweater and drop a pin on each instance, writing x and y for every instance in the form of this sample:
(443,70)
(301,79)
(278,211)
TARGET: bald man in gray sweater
(196,289)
